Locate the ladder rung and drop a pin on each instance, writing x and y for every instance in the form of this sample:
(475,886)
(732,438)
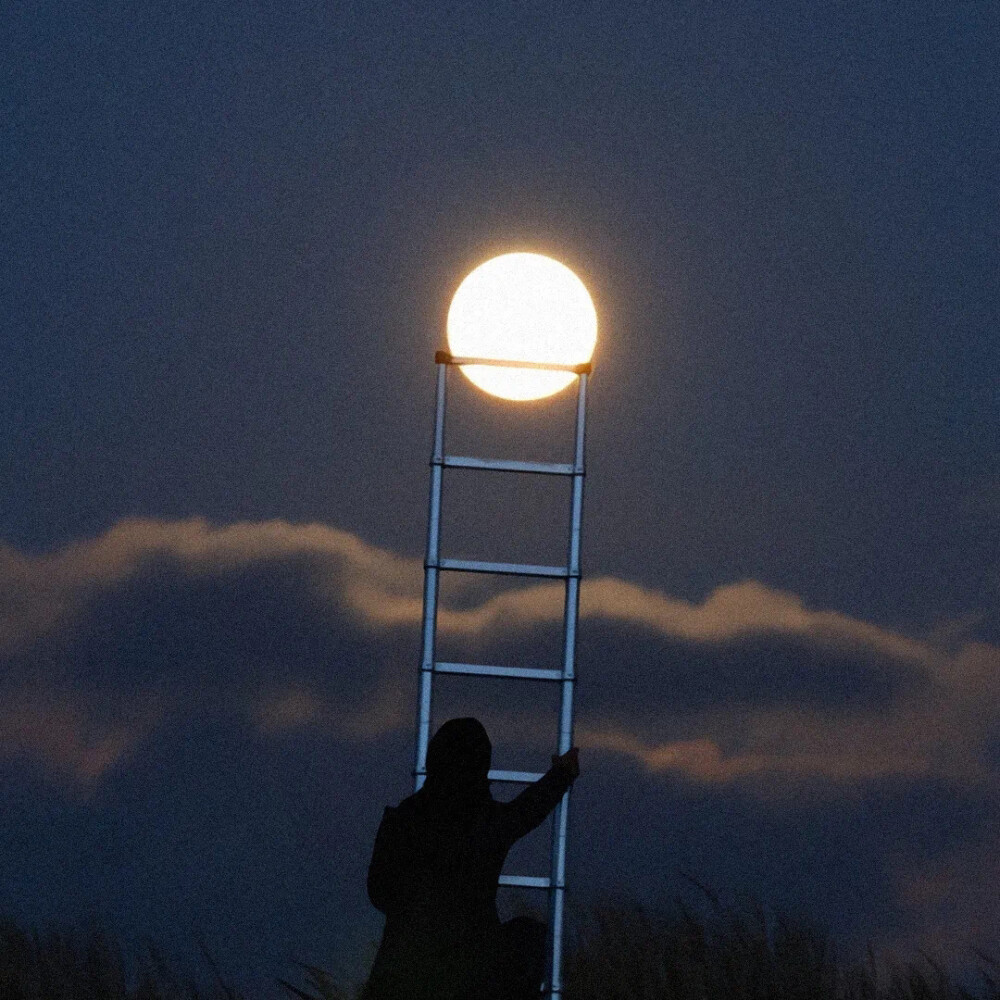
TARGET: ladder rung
(508,569)
(526,881)
(516,777)
(507,465)
(480,670)
(444,358)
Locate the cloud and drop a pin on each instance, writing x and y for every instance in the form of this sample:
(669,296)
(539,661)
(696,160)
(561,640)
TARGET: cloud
(66,736)
(42,593)
(798,746)
(307,626)
(155,621)
(293,642)
(39,593)
(940,726)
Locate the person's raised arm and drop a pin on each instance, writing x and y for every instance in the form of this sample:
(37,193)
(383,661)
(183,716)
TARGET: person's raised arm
(525,812)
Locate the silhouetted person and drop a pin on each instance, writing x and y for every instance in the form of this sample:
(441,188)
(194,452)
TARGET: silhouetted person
(434,873)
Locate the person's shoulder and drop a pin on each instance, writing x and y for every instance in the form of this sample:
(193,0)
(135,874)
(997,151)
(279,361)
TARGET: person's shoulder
(412,805)
(395,817)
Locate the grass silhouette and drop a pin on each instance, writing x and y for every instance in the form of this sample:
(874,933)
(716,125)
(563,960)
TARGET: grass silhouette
(623,950)
(74,965)
(619,949)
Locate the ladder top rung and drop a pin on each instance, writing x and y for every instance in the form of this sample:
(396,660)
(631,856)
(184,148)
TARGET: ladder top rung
(508,465)
(444,358)
(515,777)
(497,774)
(507,569)
(517,673)
(526,881)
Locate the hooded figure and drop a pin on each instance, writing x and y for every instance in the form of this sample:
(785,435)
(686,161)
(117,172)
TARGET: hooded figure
(434,873)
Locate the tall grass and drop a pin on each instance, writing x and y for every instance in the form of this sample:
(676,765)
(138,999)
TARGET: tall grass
(73,965)
(619,949)
(623,950)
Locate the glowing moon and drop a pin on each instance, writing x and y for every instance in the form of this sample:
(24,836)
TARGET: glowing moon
(522,307)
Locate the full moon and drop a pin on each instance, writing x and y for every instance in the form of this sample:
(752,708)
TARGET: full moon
(522,307)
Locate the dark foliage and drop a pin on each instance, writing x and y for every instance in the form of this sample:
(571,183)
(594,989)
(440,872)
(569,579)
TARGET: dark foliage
(623,950)
(70,965)
(620,950)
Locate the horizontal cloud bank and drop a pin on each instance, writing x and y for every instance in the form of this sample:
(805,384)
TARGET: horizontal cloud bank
(161,650)
(41,593)
(308,626)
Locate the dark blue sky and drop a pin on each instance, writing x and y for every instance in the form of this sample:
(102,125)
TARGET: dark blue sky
(230,237)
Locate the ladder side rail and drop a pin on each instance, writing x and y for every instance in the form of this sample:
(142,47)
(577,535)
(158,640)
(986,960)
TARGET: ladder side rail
(560,821)
(431,571)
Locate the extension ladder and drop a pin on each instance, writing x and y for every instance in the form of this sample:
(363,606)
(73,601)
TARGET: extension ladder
(435,564)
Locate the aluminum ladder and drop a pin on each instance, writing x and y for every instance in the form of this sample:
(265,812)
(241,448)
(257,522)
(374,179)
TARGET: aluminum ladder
(435,564)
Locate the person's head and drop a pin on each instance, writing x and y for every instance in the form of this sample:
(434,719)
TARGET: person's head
(459,755)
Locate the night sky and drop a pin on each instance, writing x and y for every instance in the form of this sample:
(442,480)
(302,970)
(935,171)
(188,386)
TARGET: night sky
(230,236)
